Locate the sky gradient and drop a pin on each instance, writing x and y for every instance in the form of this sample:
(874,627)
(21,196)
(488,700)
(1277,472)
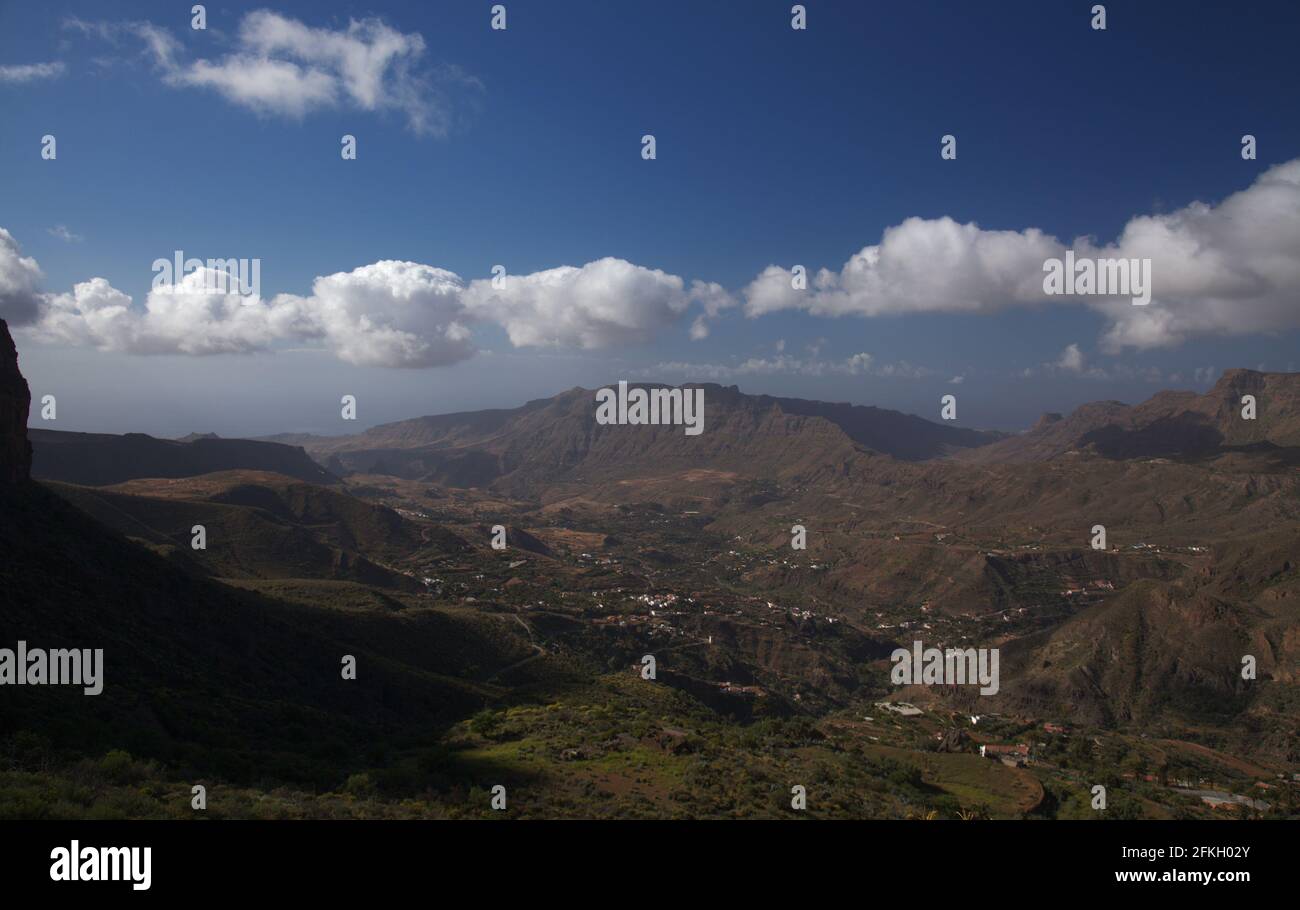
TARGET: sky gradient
(522,147)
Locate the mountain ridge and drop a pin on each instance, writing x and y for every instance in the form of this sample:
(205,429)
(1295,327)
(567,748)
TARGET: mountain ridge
(100,459)
(1169,423)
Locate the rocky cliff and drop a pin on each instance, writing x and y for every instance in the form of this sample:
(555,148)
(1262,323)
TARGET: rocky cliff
(15,399)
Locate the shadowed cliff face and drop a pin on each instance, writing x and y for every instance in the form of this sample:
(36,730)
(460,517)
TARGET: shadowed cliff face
(15,399)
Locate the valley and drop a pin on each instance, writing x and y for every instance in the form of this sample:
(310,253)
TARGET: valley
(523,667)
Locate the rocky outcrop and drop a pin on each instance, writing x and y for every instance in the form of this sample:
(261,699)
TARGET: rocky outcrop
(15,399)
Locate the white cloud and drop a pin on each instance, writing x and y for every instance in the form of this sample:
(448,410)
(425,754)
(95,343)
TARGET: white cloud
(1231,268)
(19,73)
(280,65)
(1074,362)
(919,266)
(1071,359)
(388,313)
(60,231)
(861,364)
(20,281)
(187,318)
(713,299)
(94,314)
(266,86)
(606,302)
(393,314)
(1226,269)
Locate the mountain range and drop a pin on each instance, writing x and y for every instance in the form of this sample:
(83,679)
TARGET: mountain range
(627,540)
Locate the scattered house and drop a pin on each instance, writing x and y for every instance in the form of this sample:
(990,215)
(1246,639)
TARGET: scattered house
(1217,799)
(1057,729)
(902,708)
(740,689)
(1018,752)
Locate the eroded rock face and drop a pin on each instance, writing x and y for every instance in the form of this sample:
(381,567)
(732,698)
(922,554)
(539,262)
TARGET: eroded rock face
(15,399)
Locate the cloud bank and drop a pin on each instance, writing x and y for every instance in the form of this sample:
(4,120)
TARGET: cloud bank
(1231,268)
(387,314)
(1226,269)
(861,364)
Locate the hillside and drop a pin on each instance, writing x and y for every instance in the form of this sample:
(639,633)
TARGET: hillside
(209,678)
(522,665)
(261,525)
(1169,655)
(1169,424)
(557,439)
(98,459)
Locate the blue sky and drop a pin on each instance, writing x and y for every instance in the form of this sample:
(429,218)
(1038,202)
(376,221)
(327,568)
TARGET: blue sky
(774,147)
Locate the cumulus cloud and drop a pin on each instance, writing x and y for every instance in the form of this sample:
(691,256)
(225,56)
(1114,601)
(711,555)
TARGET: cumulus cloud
(919,266)
(394,314)
(606,302)
(1231,268)
(189,317)
(1226,269)
(1071,359)
(279,65)
(20,281)
(18,73)
(388,313)
(391,314)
